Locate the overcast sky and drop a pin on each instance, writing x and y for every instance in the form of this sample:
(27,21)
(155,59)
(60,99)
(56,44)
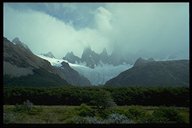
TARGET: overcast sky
(153,28)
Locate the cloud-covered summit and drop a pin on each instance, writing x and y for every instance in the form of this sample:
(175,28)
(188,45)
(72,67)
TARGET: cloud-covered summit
(145,28)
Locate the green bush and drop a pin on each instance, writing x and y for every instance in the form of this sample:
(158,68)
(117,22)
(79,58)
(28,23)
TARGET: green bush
(105,112)
(85,110)
(113,118)
(103,100)
(83,120)
(136,113)
(25,107)
(167,115)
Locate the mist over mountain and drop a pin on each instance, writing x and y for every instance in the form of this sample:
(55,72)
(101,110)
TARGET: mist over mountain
(98,41)
(140,61)
(49,54)
(21,67)
(72,58)
(92,59)
(96,63)
(128,30)
(97,75)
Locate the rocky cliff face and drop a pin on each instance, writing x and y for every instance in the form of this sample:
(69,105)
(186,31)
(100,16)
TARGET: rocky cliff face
(93,59)
(72,58)
(72,76)
(90,57)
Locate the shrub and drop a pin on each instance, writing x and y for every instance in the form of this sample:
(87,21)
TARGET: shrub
(135,113)
(77,120)
(110,102)
(103,100)
(26,106)
(8,118)
(104,113)
(83,120)
(92,120)
(112,119)
(85,110)
(166,115)
(116,118)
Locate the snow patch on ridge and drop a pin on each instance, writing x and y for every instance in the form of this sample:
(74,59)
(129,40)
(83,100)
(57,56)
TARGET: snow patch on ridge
(101,74)
(98,75)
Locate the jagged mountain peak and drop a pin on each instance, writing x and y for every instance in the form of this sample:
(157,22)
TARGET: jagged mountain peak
(92,59)
(87,50)
(70,54)
(49,54)
(16,40)
(72,58)
(104,52)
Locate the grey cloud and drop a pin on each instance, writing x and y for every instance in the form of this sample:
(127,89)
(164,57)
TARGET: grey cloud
(146,29)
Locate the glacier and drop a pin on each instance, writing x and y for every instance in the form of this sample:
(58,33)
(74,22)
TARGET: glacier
(98,75)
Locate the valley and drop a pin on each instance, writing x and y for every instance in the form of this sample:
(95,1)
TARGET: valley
(96,64)
(40,87)
(96,105)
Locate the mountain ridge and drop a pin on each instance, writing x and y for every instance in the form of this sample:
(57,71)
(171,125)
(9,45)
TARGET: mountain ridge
(93,59)
(18,56)
(27,69)
(154,73)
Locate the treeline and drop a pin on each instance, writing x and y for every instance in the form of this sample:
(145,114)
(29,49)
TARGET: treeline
(147,96)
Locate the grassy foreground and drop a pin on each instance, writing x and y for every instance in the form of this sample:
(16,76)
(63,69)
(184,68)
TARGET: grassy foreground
(89,114)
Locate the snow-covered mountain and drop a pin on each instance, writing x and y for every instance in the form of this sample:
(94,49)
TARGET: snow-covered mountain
(92,59)
(98,75)
(72,58)
(21,67)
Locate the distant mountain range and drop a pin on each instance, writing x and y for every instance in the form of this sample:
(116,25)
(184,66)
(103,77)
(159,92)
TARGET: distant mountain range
(21,67)
(154,73)
(97,75)
(93,59)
